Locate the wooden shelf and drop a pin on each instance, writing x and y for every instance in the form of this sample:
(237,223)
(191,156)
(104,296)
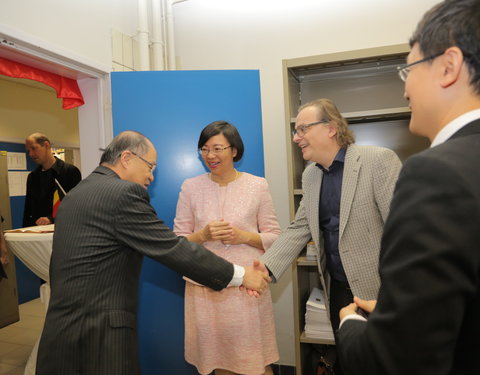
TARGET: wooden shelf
(309,340)
(304,262)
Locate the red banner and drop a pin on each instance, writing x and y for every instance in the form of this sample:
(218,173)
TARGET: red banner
(66,88)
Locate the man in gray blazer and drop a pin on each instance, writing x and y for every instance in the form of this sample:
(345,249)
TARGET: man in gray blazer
(103,229)
(346,198)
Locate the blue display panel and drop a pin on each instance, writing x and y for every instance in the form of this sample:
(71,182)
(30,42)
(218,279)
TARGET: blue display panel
(171,108)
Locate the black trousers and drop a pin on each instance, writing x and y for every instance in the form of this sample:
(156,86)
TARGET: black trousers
(340,296)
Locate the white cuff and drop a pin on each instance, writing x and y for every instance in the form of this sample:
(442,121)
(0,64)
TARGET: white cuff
(352,317)
(238,273)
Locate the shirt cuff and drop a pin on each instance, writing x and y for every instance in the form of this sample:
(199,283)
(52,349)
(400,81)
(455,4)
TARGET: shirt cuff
(352,317)
(238,273)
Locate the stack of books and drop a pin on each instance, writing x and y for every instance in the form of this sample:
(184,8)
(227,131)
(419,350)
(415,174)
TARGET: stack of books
(311,251)
(317,324)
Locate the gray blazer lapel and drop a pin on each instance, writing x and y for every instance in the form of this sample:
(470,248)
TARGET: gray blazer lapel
(351,171)
(311,186)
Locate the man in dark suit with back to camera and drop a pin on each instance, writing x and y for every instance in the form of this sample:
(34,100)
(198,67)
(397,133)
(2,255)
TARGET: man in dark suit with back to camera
(427,317)
(103,229)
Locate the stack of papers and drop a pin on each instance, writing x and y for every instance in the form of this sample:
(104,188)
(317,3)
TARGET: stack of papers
(35,229)
(317,324)
(311,251)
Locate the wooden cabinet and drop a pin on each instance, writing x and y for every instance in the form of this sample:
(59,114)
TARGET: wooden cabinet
(366,88)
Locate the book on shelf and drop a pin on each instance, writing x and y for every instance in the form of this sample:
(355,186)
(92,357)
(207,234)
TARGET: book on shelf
(317,323)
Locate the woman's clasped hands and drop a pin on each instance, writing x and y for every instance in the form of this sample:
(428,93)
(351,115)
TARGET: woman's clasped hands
(220,230)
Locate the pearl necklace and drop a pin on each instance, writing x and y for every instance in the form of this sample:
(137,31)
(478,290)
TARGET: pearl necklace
(237,174)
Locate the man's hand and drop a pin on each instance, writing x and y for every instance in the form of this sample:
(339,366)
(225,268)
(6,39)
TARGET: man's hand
(368,306)
(258,266)
(43,221)
(261,267)
(255,280)
(348,310)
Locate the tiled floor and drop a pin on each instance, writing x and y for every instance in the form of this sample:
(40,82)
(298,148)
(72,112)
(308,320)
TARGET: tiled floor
(17,339)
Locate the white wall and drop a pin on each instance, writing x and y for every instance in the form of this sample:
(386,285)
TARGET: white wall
(231,34)
(82,27)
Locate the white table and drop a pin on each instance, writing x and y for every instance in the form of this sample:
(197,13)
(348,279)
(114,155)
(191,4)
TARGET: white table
(34,250)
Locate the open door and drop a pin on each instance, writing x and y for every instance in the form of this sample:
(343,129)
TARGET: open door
(171,108)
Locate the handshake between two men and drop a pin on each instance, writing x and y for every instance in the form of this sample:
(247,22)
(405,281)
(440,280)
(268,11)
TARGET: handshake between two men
(256,279)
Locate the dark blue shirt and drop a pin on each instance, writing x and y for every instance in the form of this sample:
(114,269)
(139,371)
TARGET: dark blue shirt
(329,214)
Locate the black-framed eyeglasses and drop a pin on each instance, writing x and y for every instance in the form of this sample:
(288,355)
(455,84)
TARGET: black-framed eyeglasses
(151,165)
(404,69)
(301,130)
(204,151)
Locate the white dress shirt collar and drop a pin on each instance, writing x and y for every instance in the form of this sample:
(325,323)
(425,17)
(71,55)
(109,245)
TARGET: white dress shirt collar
(454,126)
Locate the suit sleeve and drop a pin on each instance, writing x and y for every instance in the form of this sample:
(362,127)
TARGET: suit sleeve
(288,245)
(387,169)
(138,227)
(429,272)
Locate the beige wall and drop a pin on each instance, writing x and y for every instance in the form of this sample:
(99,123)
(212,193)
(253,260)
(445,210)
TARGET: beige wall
(25,109)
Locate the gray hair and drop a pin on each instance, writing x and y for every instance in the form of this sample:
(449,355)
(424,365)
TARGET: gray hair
(328,112)
(128,140)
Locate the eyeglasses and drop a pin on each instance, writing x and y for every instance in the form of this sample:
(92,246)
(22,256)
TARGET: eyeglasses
(404,69)
(204,151)
(301,130)
(151,165)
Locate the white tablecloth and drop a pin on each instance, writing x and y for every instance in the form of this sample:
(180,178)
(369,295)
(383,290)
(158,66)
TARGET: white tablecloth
(34,250)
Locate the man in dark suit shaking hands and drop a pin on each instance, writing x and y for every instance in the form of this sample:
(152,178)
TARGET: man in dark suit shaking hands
(427,317)
(103,229)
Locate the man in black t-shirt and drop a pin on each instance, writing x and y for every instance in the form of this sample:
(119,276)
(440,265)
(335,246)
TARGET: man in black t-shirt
(52,175)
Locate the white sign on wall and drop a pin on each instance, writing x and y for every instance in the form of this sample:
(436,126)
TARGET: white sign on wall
(17,183)
(16,160)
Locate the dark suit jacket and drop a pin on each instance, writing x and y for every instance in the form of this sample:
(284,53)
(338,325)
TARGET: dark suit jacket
(104,228)
(427,319)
